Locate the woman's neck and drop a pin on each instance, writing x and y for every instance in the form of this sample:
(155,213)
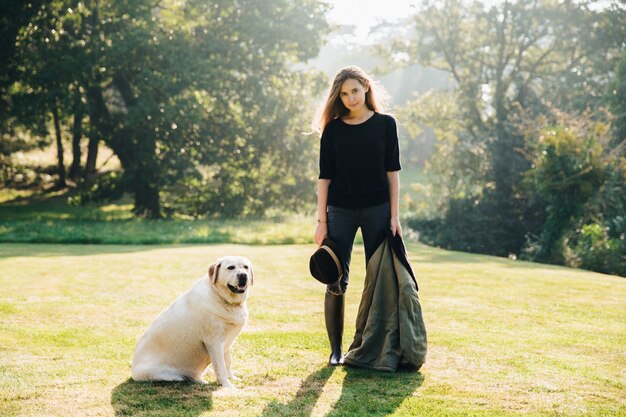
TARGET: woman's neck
(362,113)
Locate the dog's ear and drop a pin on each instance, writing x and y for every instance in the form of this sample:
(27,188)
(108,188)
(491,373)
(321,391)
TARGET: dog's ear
(214,270)
(251,275)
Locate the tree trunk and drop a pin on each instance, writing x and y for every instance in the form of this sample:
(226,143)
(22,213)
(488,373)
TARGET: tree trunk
(146,200)
(141,173)
(77,133)
(138,158)
(552,234)
(92,152)
(99,118)
(60,166)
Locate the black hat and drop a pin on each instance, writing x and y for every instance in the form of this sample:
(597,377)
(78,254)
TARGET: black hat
(325,264)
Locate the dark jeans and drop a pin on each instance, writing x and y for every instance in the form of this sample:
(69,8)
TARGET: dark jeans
(342,226)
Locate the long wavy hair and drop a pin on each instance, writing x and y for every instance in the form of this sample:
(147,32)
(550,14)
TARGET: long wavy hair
(375,99)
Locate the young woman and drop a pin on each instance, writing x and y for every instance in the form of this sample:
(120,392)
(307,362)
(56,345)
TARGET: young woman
(358,181)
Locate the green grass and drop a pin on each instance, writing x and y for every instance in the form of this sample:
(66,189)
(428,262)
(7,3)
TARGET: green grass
(34,216)
(280,230)
(506,338)
(48,219)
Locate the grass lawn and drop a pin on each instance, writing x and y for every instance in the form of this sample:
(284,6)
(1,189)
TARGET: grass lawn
(47,218)
(35,216)
(505,337)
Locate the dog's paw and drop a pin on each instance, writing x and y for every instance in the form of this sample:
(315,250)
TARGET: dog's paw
(234,376)
(227,388)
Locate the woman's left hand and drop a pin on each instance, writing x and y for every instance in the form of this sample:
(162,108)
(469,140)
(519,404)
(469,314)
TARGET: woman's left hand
(395,227)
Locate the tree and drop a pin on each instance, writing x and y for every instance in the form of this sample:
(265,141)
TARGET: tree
(13,17)
(567,170)
(184,90)
(617,102)
(461,167)
(47,62)
(508,61)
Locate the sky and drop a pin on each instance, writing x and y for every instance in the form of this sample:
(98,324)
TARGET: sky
(366,13)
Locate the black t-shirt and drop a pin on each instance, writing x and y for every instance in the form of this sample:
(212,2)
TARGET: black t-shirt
(357,158)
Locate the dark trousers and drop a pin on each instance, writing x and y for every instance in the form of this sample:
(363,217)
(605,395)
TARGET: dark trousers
(342,226)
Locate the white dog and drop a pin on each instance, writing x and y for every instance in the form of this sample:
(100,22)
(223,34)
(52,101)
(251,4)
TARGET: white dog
(198,328)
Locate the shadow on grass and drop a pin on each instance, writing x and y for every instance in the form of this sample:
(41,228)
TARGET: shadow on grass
(375,394)
(364,393)
(305,399)
(162,398)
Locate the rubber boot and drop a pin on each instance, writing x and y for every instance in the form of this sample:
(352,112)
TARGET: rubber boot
(333,313)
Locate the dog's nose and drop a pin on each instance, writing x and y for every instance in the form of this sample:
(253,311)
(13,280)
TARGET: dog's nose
(242,278)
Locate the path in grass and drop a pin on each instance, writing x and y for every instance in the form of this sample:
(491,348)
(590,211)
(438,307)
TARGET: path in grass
(505,337)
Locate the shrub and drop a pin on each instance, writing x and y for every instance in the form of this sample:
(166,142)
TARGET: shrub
(480,225)
(106,187)
(601,248)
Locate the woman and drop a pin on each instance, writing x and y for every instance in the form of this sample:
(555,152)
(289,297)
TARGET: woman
(358,181)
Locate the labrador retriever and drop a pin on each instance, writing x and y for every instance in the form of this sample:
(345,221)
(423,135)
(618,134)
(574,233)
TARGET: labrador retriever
(198,328)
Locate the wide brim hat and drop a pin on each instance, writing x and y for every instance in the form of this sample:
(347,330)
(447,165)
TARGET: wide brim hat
(325,263)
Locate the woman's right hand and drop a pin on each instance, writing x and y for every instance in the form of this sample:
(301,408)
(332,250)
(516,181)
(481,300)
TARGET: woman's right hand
(321,232)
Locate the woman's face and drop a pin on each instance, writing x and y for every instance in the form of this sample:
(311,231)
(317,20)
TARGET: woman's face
(352,94)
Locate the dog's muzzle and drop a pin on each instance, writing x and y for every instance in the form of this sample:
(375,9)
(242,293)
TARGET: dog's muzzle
(242,281)
(237,290)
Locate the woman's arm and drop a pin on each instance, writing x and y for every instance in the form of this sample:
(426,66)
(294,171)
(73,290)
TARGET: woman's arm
(322,220)
(393,177)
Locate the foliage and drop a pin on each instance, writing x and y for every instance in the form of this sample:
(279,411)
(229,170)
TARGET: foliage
(598,244)
(183,92)
(105,188)
(510,63)
(601,248)
(472,225)
(617,100)
(459,164)
(567,169)
(13,16)
(274,167)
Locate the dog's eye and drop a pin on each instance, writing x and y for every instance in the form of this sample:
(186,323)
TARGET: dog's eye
(245,266)
(231,267)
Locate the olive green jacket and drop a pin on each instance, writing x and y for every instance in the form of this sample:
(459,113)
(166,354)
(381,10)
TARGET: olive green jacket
(390,331)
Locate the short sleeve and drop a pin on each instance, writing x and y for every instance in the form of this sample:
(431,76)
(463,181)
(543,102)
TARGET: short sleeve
(392,149)
(327,158)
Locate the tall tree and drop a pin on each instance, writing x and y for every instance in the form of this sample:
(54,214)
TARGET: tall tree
(13,17)
(617,102)
(183,90)
(162,117)
(43,82)
(507,60)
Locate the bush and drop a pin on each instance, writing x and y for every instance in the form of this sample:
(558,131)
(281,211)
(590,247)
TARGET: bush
(567,169)
(480,225)
(601,248)
(106,187)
